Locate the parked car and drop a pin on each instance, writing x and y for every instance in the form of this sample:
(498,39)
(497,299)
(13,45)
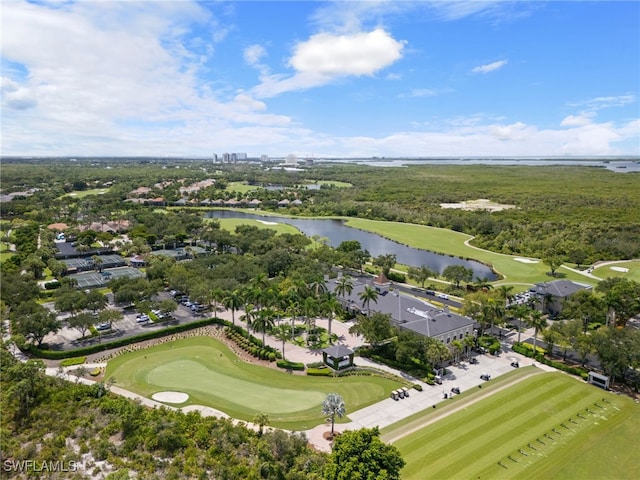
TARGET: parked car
(485,376)
(103,326)
(142,318)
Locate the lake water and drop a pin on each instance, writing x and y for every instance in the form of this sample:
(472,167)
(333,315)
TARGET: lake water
(337,232)
(615,165)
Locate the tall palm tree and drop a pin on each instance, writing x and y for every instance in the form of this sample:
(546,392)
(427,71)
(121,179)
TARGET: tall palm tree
(284,333)
(344,287)
(333,405)
(250,315)
(233,301)
(310,309)
(538,322)
(331,306)
(368,295)
(457,348)
(264,320)
(506,293)
(520,312)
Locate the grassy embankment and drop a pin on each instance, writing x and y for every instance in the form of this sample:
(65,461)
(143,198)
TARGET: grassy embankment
(213,376)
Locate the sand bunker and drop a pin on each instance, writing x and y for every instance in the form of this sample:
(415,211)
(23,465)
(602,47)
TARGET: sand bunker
(170,397)
(480,204)
(264,222)
(620,269)
(525,260)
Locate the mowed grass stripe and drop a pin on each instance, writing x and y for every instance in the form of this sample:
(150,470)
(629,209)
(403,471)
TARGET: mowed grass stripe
(452,448)
(474,432)
(471,423)
(500,443)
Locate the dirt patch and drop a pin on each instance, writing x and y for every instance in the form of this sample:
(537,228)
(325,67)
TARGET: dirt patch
(480,204)
(329,437)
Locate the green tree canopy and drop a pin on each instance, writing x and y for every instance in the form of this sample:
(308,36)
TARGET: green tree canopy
(360,454)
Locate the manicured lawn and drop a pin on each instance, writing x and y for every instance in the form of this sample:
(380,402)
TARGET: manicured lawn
(86,193)
(231,224)
(213,376)
(452,243)
(240,187)
(633,272)
(547,426)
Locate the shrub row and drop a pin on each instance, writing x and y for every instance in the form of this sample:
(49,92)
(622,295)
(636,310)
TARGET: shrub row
(527,350)
(319,372)
(60,354)
(250,344)
(286,364)
(68,362)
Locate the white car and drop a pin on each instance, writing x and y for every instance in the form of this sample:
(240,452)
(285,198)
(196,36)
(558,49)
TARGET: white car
(142,318)
(443,296)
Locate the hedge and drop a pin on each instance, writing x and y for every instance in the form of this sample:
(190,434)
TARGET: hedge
(527,350)
(319,372)
(290,365)
(73,361)
(101,347)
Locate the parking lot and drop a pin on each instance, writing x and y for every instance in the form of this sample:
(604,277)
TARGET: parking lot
(67,337)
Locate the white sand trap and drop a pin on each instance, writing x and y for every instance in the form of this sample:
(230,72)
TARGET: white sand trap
(170,397)
(620,269)
(525,260)
(264,222)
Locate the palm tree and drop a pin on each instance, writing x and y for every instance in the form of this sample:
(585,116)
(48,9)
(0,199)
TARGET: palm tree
(520,312)
(264,320)
(262,420)
(344,287)
(505,292)
(249,316)
(456,348)
(233,301)
(469,342)
(284,333)
(330,305)
(310,309)
(333,405)
(368,295)
(538,322)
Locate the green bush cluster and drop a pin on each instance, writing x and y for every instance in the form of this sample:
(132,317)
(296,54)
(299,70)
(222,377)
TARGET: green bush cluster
(397,277)
(527,350)
(286,364)
(68,362)
(52,285)
(315,365)
(417,386)
(95,372)
(490,343)
(250,344)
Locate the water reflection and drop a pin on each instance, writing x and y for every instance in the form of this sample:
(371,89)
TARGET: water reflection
(337,232)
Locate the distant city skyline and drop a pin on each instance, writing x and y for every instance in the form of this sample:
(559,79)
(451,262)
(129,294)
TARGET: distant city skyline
(395,79)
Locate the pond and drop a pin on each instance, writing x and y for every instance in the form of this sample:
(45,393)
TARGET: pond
(337,232)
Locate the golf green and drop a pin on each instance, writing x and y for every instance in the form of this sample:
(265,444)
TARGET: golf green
(213,376)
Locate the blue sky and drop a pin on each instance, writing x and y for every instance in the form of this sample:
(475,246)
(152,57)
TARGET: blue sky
(328,79)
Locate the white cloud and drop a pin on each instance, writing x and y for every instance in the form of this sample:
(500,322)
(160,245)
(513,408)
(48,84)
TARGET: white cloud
(253,54)
(326,57)
(362,53)
(577,120)
(598,103)
(489,67)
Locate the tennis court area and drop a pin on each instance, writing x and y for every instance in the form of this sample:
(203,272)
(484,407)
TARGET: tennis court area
(95,279)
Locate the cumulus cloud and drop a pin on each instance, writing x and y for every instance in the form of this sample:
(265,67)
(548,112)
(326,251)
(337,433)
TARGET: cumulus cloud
(325,57)
(489,67)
